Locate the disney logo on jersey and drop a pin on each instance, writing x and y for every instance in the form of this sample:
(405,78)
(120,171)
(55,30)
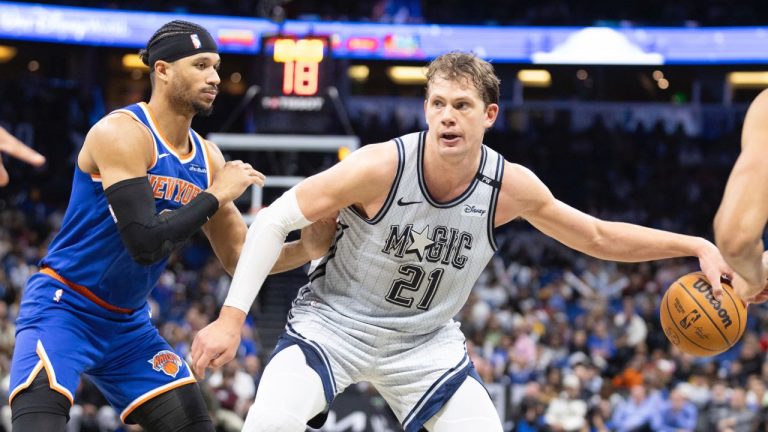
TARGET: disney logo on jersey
(474,210)
(441,244)
(173,189)
(167,362)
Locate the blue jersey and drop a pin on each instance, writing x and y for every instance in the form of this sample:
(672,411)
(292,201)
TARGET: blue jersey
(88,253)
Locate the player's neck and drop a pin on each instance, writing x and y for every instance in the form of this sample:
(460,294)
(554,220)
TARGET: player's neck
(448,176)
(173,125)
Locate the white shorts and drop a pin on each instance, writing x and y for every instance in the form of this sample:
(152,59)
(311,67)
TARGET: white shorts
(416,374)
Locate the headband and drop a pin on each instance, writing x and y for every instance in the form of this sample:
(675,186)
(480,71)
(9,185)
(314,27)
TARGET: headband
(176,46)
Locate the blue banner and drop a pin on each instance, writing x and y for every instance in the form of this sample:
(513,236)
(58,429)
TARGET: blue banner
(526,45)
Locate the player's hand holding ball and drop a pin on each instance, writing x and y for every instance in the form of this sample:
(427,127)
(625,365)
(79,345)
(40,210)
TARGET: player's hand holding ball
(698,323)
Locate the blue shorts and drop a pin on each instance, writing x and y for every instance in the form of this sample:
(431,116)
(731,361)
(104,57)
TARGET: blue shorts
(66,334)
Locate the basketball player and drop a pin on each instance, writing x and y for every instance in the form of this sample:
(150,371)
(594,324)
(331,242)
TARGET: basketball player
(415,231)
(743,213)
(144,183)
(10,145)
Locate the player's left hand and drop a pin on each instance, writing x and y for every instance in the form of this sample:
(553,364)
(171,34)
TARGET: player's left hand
(317,238)
(10,145)
(714,267)
(216,344)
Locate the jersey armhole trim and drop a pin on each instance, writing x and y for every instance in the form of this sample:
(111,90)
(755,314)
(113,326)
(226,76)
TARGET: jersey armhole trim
(206,157)
(392,191)
(494,201)
(135,118)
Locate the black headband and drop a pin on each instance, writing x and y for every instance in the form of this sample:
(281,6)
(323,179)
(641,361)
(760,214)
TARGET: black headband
(174,47)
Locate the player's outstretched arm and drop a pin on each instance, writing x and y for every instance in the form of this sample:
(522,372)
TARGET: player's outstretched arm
(524,195)
(743,212)
(11,146)
(226,231)
(359,179)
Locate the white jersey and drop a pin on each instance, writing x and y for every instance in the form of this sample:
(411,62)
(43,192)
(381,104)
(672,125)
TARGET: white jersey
(410,267)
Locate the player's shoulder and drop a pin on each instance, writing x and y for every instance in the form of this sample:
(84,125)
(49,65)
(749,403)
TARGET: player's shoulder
(213,150)
(373,162)
(761,99)
(520,183)
(375,155)
(118,127)
(515,173)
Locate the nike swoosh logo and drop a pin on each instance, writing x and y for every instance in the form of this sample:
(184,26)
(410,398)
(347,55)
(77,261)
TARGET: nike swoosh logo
(162,155)
(400,202)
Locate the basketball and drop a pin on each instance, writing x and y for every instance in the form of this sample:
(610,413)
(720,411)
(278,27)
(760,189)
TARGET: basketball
(695,322)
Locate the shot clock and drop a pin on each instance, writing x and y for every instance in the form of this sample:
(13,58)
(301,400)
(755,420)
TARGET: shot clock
(295,75)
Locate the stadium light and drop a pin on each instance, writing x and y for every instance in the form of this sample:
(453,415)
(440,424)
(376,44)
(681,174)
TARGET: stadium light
(7,53)
(535,77)
(748,79)
(407,74)
(133,61)
(358,73)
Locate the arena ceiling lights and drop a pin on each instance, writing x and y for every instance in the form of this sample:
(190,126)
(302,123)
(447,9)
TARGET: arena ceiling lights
(748,79)
(7,53)
(407,75)
(535,77)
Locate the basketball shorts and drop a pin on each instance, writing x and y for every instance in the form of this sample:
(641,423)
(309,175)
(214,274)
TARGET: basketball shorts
(415,374)
(64,334)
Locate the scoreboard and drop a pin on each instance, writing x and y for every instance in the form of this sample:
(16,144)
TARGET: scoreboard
(296,73)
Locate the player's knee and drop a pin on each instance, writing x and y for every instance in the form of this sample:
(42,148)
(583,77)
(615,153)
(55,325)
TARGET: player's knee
(180,409)
(272,419)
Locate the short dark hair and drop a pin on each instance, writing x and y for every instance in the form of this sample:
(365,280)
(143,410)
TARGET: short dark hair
(457,65)
(173,28)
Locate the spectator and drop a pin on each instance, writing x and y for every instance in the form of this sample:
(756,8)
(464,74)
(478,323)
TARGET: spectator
(676,414)
(636,412)
(738,418)
(567,413)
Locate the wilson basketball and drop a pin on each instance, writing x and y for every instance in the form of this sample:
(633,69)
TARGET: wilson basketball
(697,323)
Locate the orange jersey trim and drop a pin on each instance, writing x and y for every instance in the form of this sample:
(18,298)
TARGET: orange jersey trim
(206,158)
(166,143)
(84,291)
(149,129)
(146,397)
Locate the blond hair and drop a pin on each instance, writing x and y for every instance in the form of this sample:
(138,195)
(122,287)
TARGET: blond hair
(457,65)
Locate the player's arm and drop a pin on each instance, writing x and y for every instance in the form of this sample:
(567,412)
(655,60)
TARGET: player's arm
(743,212)
(119,149)
(357,180)
(11,146)
(524,195)
(226,231)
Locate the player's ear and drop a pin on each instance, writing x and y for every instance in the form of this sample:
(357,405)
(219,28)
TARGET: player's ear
(491,112)
(161,70)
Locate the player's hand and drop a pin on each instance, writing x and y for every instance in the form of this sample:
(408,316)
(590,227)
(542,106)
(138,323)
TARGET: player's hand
(317,238)
(217,343)
(714,267)
(232,180)
(11,146)
(749,293)
(752,293)
(762,296)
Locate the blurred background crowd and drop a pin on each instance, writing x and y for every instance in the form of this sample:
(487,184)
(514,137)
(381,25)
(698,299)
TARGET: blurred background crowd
(565,342)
